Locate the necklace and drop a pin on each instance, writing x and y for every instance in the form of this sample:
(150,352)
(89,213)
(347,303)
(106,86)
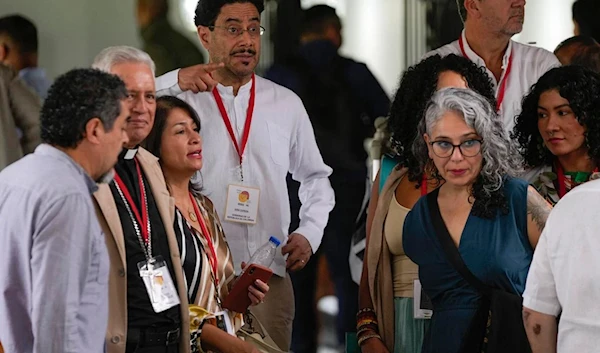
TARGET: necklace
(190,209)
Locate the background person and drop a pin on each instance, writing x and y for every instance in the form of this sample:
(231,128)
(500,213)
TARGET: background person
(585,18)
(557,129)
(573,46)
(168,48)
(486,40)
(342,99)
(19,109)
(19,51)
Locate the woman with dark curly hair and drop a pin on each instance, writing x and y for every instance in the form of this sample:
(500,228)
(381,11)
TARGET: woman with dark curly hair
(386,321)
(558,131)
(494,219)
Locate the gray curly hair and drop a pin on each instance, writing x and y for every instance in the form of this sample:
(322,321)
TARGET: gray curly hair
(500,156)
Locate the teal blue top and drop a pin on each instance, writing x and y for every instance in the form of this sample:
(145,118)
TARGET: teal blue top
(497,251)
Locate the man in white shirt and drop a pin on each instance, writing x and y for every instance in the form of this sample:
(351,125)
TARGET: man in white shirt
(254,131)
(486,40)
(563,278)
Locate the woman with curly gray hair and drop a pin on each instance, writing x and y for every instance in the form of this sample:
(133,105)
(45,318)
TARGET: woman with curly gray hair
(481,212)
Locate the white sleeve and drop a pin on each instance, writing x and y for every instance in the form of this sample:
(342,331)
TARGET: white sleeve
(168,84)
(308,168)
(550,62)
(540,291)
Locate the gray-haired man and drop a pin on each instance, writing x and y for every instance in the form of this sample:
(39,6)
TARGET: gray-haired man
(135,323)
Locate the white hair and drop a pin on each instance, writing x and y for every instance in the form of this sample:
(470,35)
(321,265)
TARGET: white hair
(112,56)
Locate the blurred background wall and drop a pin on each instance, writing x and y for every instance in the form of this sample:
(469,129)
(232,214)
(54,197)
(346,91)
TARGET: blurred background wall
(388,35)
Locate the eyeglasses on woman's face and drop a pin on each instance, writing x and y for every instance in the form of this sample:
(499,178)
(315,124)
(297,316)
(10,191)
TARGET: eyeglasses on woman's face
(445,149)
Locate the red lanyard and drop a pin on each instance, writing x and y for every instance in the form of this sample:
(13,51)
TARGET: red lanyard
(562,189)
(424,186)
(143,220)
(502,88)
(249,113)
(212,257)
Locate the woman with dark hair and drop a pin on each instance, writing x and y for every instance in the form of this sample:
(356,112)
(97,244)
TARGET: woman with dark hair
(493,220)
(206,259)
(385,321)
(558,131)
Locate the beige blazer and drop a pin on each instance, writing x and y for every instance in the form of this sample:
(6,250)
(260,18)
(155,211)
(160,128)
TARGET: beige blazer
(19,108)
(106,209)
(379,262)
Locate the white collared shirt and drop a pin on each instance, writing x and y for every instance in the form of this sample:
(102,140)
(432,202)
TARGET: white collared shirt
(281,140)
(564,277)
(529,64)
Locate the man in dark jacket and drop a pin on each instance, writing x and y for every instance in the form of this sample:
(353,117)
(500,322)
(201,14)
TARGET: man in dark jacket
(342,98)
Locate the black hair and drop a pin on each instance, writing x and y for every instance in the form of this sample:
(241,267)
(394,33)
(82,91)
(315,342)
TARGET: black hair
(417,86)
(581,40)
(164,106)
(74,99)
(586,14)
(317,18)
(207,11)
(22,31)
(160,6)
(588,57)
(579,86)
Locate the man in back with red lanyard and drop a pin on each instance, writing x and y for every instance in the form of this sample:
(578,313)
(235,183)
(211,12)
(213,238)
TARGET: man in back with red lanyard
(486,40)
(148,306)
(254,132)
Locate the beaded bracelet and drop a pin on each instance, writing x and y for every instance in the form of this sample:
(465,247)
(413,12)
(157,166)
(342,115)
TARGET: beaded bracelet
(362,339)
(365,313)
(363,322)
(366,329)
(365,310)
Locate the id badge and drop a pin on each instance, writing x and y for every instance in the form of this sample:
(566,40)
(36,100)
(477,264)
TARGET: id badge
(159,285)
(422,306)
(224,322)
(242,204)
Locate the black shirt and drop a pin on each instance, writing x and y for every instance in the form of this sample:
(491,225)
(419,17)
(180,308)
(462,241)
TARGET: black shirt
(139,308)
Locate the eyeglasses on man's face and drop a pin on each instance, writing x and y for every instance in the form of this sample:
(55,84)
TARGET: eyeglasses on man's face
(235,31)
(445,149)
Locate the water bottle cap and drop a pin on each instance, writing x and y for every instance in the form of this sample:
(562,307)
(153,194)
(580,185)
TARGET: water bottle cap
(275,241)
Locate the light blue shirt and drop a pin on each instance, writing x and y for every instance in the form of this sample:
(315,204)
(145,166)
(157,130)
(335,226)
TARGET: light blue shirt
(36,78)
(54,264)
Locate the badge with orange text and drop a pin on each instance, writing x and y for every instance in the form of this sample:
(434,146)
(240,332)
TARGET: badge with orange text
(242,204)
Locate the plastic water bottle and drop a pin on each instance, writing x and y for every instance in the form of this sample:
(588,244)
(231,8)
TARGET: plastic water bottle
(265,255)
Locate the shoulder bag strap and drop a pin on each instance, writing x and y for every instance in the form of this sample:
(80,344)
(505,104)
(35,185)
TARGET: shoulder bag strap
(450,250)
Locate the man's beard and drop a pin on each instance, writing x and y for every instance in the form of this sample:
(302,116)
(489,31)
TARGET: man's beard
(106,177)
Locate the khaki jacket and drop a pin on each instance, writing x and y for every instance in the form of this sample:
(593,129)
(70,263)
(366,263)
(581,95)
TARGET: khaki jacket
(106,208)
(19,108)
(379,262)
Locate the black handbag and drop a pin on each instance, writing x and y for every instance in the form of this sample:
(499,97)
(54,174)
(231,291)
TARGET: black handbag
(497,326)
